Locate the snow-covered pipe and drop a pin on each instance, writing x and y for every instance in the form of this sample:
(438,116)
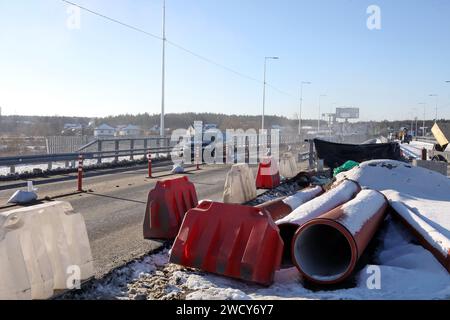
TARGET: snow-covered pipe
(281,207)
(325,250)
(429,237)
(339,194)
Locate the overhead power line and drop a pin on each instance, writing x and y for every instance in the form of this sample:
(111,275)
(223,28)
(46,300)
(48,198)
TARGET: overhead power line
(113,20)
(178,46)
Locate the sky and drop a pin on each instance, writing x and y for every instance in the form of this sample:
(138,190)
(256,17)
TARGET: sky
(102,68)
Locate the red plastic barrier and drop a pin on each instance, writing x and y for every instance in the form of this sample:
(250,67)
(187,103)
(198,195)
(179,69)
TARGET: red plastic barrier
(268,176)
(166,206)
(229,239)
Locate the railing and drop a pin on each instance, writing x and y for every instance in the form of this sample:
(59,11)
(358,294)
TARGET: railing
(109,148)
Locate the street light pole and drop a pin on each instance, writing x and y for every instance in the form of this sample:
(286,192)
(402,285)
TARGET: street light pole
(264,89)
(423,123)
(163,76)
(318,120)
(436,115)
(301,103)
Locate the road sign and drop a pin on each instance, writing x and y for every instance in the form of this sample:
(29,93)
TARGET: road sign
(347,113)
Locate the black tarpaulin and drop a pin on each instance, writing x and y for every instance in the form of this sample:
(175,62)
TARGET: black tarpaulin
(336,154)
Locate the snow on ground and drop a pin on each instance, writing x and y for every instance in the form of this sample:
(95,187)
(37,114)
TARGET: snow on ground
(407,271)
(414,148)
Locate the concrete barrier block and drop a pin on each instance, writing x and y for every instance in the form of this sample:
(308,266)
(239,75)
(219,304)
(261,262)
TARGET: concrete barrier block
(288,165)
(438,166)
(239,184)
(42,248)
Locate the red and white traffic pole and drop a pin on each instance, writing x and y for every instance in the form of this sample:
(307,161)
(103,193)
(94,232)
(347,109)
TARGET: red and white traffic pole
(198,159)
(149,157)
(80,173)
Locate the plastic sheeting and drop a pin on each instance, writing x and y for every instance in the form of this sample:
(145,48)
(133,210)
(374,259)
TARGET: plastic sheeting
(336,154)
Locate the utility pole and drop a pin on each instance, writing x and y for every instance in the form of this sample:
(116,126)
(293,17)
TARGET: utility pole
(301,103)
(318,120)
(264,89)
(436,115)
(162,128)
(423,124)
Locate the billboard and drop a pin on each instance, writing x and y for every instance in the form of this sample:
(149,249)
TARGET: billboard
(347,113)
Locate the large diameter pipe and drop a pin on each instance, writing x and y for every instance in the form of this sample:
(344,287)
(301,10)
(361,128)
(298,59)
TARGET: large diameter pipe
(338,195)
(279,208)
(325,250)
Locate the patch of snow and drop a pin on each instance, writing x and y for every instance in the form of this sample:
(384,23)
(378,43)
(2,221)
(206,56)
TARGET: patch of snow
(323,203)
(361,209)
(302,196)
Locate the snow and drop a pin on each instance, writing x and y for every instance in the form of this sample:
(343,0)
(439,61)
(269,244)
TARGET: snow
(438,240)
(323,203)
(419,195)
(302,196)
(361,209)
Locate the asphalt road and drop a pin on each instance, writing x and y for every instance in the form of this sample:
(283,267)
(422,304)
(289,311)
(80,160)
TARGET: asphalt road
(114,209)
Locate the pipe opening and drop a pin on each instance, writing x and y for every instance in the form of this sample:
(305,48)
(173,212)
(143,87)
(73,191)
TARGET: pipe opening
(322,252)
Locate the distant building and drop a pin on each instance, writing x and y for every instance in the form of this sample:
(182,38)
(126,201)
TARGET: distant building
(104,130)
(130,130)
(208,126)
(72,129)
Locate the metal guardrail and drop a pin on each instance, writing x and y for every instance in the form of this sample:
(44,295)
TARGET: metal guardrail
(12,162)
(162,146)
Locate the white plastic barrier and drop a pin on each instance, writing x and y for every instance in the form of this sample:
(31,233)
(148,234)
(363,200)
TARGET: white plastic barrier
(239,184)
(288,165)
(42,248)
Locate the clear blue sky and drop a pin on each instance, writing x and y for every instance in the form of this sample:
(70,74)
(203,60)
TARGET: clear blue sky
(103,68)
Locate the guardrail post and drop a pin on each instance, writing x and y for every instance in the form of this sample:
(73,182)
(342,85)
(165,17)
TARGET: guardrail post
(149,157)
(158,145)
(116,149)
(424,154)
(49,166)
(99,149)
(80,173)
(198,159)
(145,148)
(12,169)
(132,149)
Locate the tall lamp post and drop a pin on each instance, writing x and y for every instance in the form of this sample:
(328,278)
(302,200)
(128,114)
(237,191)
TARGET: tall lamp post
(264,89)
(436,115)
(301,103)
(414,110)
(318,120)
(163,71)
(423,123)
